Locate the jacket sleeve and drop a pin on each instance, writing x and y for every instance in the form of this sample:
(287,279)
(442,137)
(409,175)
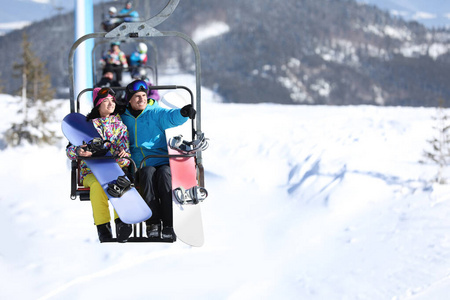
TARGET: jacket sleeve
(71,152)
(123,142)
(123,59)
(169,118)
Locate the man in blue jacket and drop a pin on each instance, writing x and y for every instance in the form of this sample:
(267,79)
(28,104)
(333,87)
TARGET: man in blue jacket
(146,122)
(128,14)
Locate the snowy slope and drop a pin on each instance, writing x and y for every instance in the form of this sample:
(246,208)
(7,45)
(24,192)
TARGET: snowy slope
(306,202)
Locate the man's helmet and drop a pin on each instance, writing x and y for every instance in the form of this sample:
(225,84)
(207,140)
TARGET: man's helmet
(112,10)
(142,48)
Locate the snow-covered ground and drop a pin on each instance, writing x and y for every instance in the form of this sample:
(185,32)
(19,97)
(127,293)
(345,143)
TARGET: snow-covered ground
(305,202)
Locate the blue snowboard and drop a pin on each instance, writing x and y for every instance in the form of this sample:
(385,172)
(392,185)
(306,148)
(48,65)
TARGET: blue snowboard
(131,208)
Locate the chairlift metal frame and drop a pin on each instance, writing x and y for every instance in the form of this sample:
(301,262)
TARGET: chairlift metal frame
(139,32)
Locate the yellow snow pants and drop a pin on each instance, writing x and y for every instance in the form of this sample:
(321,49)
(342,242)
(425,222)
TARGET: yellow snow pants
(99,200)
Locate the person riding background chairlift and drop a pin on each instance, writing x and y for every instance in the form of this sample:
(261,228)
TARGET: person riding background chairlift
(128,14)
(107,79)
(137,61)
(112,21)
(116,59)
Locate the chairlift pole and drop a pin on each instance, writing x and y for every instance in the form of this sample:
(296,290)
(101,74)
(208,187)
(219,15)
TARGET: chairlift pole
(84,24)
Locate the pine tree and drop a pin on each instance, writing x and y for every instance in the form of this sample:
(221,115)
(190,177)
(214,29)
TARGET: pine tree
(2,87)
(36,114)
(35,80)
(440,144)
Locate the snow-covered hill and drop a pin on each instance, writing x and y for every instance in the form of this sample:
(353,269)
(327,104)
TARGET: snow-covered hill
(306,202)
(431,13)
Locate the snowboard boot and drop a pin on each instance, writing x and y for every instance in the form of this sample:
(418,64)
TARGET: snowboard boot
(153,231)
(123,231)
(104,232)
(168,233)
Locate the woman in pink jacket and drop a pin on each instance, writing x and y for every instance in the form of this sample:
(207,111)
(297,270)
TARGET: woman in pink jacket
(110,127)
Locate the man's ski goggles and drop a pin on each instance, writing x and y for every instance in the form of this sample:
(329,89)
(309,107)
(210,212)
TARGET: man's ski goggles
(137,86)
(103,93)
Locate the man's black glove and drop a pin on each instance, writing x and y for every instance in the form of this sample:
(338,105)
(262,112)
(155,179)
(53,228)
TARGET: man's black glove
(188,111)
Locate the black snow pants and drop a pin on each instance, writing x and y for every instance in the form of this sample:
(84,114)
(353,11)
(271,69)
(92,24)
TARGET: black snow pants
(155,186)
(117,69)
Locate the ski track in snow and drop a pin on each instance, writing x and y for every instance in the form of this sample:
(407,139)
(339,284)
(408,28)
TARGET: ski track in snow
(305,202)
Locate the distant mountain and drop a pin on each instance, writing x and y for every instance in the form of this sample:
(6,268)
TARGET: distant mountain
(334,52)
(14,14)
(431,13)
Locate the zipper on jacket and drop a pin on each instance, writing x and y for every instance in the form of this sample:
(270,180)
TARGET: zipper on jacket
(136,138)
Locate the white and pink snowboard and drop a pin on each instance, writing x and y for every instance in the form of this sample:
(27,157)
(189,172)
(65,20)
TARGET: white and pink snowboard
(187,217)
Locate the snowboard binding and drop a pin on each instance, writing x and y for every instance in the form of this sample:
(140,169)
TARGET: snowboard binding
(193,195)
(200,144)
(119,187)
(97,146)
